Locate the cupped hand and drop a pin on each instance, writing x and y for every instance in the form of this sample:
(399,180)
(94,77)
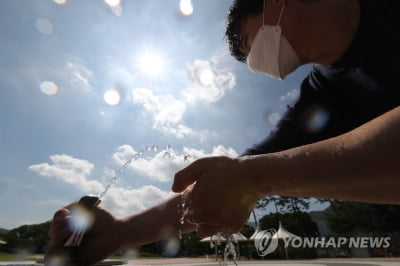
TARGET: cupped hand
(223,196)
(99,242)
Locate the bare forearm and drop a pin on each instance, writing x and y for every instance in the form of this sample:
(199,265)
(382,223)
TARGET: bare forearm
(362,165)
(160,222)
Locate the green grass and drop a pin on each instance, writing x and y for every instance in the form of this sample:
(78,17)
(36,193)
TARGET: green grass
(19,257)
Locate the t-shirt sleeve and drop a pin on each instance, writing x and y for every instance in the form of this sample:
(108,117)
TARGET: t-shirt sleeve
(309,119)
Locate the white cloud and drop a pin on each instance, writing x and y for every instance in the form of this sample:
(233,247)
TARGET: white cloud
(121,201)
(217,151)
(162,165)
(125,201)
(165,109)
(208,83)
(179,130)
(69,170)
(80,75)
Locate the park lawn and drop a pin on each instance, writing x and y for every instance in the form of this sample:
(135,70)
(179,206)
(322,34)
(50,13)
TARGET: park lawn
(18,257)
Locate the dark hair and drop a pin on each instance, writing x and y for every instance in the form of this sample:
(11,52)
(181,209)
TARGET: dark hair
(237,16)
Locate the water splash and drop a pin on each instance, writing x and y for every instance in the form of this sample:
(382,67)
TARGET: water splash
(167,154)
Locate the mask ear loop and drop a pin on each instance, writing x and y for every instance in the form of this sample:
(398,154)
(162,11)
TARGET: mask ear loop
(280,15)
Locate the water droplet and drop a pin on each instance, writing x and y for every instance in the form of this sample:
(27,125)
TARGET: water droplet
(186,157)
(60,2)
(44,26)
(49,87)
(273,118)
(113,3)
(112,97)
(172,247)
(186,7)
(316,118)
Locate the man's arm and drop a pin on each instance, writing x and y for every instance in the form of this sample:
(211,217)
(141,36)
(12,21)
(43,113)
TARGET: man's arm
(109,235)
(361,165)
(160,222)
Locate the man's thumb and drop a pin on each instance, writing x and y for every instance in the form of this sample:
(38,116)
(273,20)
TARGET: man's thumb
(187,176)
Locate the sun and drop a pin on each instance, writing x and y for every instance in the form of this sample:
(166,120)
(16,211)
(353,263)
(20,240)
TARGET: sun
(151,63)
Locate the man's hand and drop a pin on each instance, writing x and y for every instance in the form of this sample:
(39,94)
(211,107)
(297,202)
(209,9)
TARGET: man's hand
(99,242)
(223,196)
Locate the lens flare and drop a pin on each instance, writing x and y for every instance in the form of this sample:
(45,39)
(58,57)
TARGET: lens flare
(113,3)
(56,261)
(186,7)
(49,87)
(112,97)
(172,247)
(60,2)
(44,26)
(117,10)
(316,118)
(131,254)
(80,220)
(273,118)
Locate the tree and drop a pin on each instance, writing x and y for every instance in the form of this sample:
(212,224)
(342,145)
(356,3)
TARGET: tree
(284,204)
(191,245)
(349,218)
(28,237)
(292,204)
(265,201)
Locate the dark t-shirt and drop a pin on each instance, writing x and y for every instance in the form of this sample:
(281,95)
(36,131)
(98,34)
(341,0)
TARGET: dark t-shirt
(362,85)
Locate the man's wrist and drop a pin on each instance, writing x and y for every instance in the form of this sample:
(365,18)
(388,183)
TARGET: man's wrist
(122,234)
(253,175)
(268,172)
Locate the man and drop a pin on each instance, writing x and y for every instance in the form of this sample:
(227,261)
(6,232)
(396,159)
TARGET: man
(354,155)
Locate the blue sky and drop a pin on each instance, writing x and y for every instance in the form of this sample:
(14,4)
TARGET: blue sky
(85,85)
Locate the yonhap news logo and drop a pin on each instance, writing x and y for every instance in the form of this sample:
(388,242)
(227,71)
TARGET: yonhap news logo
(338,242)
(267,241)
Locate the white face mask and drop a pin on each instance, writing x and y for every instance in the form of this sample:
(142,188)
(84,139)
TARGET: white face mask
(271,53)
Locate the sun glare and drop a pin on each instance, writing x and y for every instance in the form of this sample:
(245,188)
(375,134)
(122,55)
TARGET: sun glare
(151,64)
(113,3)
(60,2)
(206,77)
(49,87)
(112,97)
(186,7)
(44,26)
